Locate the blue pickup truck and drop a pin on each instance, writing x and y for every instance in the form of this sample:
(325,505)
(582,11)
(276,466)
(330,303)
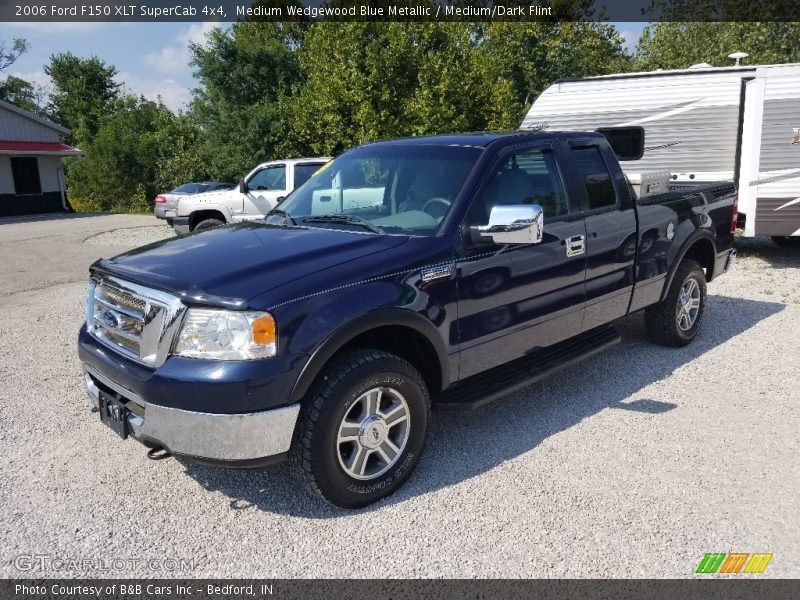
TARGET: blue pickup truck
(433,272)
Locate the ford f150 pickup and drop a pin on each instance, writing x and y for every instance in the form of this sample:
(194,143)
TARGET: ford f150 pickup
(438,272)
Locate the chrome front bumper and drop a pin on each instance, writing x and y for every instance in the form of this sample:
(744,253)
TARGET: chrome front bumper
(218,437)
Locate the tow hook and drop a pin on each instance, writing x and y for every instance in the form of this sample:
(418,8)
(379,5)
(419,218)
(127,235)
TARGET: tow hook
(158,453)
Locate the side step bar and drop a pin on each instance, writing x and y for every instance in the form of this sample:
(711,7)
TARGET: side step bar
(478,390)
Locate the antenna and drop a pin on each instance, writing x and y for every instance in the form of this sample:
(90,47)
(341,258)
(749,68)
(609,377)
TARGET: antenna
(738,56)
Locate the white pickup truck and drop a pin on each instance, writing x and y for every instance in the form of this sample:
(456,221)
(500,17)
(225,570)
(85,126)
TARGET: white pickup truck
(256,194)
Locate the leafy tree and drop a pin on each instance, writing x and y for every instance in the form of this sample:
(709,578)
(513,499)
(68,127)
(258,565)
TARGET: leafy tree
(533,55)
(376,80)
(21,93)
(84,90)
(130,157)
(10,53)
(672,45)
(244,72)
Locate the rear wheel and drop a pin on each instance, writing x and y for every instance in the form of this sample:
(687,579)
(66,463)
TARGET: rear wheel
(362,428)
(208,224)
(786,241)
(676,320)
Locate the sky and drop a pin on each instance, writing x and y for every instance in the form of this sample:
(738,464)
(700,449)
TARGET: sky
(152,58)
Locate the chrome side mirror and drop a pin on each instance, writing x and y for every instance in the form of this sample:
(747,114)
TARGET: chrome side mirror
(514,224)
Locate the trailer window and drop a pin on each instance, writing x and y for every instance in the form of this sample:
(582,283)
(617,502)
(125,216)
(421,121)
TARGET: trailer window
(596,178)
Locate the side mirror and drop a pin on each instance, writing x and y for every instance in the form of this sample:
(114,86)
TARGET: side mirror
(280,198)
(515,224)
(243,186)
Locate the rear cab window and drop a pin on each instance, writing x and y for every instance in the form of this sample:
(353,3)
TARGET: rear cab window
(303,171)
(595,176)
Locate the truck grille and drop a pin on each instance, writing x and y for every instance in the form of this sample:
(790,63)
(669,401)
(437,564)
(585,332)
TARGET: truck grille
(136,321)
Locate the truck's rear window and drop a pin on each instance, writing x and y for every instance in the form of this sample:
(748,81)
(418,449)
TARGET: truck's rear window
(596,178)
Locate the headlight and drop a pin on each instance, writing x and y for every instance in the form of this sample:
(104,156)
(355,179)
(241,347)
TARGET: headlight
(227,335)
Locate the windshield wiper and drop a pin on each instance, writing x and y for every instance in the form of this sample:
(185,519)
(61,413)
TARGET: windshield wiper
(281,213)
(345,219)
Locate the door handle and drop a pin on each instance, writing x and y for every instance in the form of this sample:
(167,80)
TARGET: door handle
(576,245)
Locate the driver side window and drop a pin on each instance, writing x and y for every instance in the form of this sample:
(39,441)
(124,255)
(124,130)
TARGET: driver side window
(527,176)
(269,178)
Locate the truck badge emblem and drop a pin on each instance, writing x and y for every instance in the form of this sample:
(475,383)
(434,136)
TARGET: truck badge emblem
(111,319)
(437,272)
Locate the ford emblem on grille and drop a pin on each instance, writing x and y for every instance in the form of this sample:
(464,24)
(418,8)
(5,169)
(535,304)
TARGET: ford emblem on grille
(111,318)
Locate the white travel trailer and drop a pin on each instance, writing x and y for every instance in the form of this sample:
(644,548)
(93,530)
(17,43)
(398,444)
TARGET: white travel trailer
(701,124)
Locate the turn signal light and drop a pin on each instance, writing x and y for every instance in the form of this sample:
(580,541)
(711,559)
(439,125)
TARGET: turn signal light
(264,330)
(161,200)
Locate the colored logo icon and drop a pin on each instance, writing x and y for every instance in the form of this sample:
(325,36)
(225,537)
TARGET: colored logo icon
(734,562)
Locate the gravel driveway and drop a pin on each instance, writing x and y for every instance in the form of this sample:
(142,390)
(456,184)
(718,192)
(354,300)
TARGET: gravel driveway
(635,464)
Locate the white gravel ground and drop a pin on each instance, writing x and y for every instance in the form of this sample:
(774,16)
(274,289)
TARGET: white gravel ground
(132,237)
(635,464)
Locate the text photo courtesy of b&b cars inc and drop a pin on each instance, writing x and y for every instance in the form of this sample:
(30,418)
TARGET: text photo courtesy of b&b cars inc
(330,298)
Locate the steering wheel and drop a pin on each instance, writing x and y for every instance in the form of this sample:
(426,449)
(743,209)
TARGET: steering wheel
(434,201)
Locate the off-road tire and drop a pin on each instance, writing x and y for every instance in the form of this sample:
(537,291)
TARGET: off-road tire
(314,452)
(662,319)
(206,224)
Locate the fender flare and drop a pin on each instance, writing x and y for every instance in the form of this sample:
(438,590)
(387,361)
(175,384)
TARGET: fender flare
(700,234)
(349,330)
(220,208)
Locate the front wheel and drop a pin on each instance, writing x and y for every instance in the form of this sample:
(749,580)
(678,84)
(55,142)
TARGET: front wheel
(676,320)
(362,428)
(207,224)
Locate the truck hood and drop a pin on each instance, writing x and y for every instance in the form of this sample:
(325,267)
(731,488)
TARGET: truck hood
(228,266)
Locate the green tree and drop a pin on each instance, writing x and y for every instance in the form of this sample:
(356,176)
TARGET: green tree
(84,90)
(376,80)
(244,73)
(131,155)
(21,93)
(672,45)
(533,55)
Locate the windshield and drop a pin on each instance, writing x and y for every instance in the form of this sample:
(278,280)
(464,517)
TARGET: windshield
(382,188)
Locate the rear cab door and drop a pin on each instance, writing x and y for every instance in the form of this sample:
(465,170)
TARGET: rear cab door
(611,240)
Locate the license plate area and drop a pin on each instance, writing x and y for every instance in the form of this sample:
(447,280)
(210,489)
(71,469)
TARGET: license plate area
(114,414)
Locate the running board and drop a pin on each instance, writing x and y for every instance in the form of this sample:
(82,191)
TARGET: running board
(478,390)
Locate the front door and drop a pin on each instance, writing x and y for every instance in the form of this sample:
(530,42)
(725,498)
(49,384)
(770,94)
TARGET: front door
(514,299)
(263,190)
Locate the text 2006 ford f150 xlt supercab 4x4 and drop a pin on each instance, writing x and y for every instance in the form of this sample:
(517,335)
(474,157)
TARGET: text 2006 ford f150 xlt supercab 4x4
(437,271)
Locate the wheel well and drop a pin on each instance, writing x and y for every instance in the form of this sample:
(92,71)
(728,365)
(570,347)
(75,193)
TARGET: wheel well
(407,343)
(202,215)
(703,252)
